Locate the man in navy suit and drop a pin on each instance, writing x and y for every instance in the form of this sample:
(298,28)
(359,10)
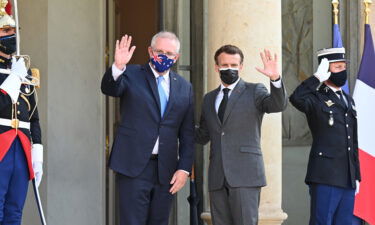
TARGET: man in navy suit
(154,146)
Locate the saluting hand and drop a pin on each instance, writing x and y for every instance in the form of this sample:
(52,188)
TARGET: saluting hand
(322,73)
(270,65)
(123,54)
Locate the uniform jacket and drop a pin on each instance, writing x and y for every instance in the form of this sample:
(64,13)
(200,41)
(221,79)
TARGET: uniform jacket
(26,111)
(333,158)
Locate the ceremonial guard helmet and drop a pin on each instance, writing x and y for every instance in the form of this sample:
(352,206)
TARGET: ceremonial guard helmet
(6,19)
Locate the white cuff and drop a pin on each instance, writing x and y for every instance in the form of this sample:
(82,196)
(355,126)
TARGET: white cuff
(186,172)
(37,153)
(116,72)
(277,84)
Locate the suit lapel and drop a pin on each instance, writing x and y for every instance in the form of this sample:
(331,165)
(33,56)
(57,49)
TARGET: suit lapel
(212,105)
(236,93)
(174,87)
(152,83)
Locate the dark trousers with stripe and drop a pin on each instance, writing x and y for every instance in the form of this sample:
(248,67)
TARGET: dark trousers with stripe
(331,205)
(143,200)
(14,180)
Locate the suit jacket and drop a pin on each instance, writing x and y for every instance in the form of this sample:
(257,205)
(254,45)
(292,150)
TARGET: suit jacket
(235,153)
(333,157)
(141,123)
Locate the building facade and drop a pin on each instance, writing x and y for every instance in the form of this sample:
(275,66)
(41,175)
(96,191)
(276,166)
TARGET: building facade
(72,43)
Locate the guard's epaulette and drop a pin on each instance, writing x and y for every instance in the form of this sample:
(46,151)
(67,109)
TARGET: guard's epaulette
(36,74)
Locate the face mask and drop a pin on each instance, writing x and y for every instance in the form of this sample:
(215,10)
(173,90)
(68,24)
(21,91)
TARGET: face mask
(229,75)
(339,78)
(8,44)
(162,63)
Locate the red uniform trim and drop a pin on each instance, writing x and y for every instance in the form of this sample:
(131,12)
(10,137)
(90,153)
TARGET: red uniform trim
(27,149)
(4,92)
(6,140)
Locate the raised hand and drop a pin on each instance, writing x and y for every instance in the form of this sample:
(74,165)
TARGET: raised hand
(322,73)
(123,52)
(270,65)
(19,68)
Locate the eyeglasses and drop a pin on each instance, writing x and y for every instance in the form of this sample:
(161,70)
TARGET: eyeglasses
(170,55)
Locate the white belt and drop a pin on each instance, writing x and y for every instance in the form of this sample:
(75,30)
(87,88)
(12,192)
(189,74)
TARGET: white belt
(15,123)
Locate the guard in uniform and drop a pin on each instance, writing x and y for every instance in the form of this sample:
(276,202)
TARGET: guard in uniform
(333,168)
(21,152)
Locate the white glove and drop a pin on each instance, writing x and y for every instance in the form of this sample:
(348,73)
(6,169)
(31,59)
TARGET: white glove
(356,187)
(11,86)
(12,83)
(37,160)
(19,68)
(322,72)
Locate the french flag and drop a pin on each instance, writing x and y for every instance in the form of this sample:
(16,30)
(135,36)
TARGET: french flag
(364,96)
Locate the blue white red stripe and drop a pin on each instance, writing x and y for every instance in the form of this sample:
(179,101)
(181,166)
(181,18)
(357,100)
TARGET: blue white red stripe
(364,96)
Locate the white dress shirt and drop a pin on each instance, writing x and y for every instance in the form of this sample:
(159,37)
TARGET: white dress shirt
(219,97)
(166,86)
(339,89)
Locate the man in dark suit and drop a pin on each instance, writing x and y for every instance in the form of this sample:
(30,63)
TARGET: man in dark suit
(153,149)
(333,167)
(231,119)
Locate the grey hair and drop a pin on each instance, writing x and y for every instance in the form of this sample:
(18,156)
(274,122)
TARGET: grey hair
(168,35)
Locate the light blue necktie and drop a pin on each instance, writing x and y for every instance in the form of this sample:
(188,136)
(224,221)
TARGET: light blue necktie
(163,97)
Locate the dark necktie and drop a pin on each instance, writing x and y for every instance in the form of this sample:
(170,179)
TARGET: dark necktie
(223,104)
(341,97)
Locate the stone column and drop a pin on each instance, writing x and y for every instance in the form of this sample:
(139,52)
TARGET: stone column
(252,26)
(66,41)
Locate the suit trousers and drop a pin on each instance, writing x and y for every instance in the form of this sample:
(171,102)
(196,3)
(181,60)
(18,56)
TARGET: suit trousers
(14,181)
(143,200)
(235,206)
(331,205)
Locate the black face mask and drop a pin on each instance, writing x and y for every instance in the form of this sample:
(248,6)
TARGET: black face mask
(8,44)
(339,78)
(228,76)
